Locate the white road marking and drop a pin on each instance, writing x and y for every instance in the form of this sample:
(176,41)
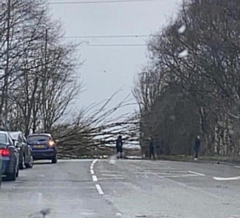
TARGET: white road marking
(95,161)
(94,178)
(92,172)
(237,166)
(98,187)
(196,173)
(227,179)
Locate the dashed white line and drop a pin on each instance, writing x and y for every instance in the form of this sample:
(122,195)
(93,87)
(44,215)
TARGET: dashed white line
(196,173)
(237,166)
(98,187)
(94,178)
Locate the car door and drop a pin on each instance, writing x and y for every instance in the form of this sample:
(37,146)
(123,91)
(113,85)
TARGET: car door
(21,143)
(14,159)
(28,150)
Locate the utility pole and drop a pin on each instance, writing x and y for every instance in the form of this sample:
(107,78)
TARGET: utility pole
(44,79)
(6,76)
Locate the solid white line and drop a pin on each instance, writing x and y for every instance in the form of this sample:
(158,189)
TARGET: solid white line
(199,174)
(94,178)
(91,167)
(98,187)
(92,172)
(227,179)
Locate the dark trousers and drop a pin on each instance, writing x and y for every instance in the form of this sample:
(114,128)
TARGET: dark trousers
(119,151)
(152,154)
(196,154)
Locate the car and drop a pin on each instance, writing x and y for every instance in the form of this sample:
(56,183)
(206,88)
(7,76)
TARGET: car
(10,157)
(25,150)
(43,147)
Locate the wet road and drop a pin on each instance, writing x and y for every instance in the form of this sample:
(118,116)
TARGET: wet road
(129,188)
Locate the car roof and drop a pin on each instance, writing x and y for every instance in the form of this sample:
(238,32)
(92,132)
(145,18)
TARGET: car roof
(15,132)
(41,134)
(5,132)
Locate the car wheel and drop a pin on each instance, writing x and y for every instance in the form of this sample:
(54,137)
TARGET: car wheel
(30,164)
(54,159)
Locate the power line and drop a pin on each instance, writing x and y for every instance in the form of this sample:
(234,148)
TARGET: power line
(108,36)
(100,2)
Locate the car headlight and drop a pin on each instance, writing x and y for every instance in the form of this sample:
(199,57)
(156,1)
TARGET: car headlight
(51,143)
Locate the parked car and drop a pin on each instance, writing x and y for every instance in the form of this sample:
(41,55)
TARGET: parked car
(10,157)
(25,150)
(43,147)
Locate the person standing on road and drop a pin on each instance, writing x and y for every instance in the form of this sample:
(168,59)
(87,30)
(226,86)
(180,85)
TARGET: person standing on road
(151,149)
(197,147)
(119,145)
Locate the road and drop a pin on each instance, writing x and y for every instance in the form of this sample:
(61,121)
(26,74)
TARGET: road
(129,188)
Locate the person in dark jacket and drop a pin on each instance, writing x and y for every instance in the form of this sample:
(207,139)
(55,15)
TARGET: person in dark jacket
(197,147)
(119,144)
(151,149)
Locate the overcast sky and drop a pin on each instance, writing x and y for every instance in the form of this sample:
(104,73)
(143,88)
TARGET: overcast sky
(110,68)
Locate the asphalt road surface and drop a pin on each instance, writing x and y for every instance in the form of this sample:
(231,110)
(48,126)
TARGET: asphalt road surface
(128,188)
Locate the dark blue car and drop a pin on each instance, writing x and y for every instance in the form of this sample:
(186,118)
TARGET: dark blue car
(43,147)
(10,157)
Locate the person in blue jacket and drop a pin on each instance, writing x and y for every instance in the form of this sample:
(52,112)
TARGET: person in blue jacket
(197,147)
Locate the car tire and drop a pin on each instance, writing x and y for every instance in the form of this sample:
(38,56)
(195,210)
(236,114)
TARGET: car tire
(30,164)
(54,159)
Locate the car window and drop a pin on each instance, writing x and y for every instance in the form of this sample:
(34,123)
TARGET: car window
(3,139)
(20,140)
(24,139)
(14,135)
(38,138)
(9,140)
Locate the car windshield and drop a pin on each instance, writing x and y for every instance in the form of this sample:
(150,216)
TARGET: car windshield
(37,138)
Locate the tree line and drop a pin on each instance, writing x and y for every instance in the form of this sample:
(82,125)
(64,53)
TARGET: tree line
(38,70)
(191,85)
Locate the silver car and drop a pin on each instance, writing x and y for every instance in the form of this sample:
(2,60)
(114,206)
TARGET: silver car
(25,150)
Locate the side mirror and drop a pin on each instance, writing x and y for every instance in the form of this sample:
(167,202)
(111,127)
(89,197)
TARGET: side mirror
(14,142)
